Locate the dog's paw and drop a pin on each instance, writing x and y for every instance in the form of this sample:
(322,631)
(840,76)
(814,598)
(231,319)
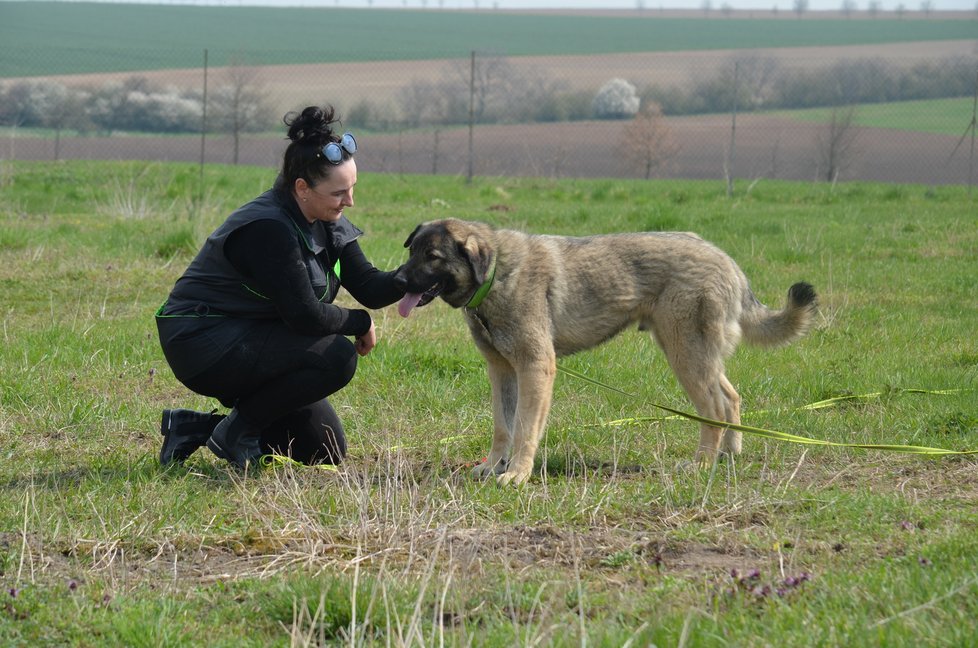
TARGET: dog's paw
(489,468)
(706,458)
(513,477)
(482,471)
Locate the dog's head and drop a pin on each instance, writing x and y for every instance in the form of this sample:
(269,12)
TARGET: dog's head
(448,259)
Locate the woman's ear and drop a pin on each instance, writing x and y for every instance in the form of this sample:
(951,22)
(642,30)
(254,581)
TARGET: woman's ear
(301,187)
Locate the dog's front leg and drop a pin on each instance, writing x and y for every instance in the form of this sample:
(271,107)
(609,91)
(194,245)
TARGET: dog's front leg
(502,378)
(535,382)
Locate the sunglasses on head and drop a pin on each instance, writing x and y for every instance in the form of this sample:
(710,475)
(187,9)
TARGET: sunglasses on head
(333,151)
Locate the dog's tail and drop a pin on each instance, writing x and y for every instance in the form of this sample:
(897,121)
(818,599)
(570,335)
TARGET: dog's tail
(765,327)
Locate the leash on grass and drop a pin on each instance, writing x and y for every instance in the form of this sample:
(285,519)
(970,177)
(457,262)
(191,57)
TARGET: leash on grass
(784,436)
(280,461)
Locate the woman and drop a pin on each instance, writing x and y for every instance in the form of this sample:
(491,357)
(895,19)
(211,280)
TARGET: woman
(251,322)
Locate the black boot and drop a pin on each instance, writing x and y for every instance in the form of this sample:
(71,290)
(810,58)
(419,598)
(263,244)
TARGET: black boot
(236,440)
(183,432)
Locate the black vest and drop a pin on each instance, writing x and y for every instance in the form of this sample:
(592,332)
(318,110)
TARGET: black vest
(211,286)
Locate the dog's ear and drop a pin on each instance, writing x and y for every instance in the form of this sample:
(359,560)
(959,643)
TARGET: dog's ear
(410,238)
(477,252)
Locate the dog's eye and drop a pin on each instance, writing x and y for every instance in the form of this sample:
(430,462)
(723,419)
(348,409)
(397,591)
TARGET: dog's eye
(434,255)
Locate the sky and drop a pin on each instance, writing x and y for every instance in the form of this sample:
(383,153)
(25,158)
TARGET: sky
(910,5)
(762,5)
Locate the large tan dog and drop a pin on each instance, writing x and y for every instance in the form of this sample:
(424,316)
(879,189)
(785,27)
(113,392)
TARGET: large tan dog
(529,299)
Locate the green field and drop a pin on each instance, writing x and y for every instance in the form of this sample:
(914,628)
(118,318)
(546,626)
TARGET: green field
(106,37)
(943,116)
(615,540)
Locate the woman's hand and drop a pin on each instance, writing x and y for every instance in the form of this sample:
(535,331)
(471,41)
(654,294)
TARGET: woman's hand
(364,343)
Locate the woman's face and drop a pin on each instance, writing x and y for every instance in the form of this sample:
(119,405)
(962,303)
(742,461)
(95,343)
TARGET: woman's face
(326,200)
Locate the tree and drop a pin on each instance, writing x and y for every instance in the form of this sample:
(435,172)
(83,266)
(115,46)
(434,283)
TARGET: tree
(615,100)
(240,104)
(498,91)
(800,7)
(836,142)
(647,141)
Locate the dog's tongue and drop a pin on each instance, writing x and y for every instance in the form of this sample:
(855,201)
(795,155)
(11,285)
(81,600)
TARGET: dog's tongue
(409,301)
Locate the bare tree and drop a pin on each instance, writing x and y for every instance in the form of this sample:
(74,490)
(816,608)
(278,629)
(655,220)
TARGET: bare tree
(498,91)
(836,142)
(757,76)
(489,79)
(241,104)
(800,7)
(647,141)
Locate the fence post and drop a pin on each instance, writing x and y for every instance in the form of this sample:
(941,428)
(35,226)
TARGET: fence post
(733,133)
(434,155)
(468,178)
(974,125)
(203,139)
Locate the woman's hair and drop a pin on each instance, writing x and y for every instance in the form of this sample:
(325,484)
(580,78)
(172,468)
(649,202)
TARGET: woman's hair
(309,130)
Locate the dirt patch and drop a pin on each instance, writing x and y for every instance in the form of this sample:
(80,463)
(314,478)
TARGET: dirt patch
(471,550)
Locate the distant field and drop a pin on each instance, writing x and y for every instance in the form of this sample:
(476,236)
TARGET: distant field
(89,38)
(942,116)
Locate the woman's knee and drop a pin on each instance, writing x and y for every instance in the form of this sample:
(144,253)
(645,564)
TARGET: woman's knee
(312,435)
(341,359)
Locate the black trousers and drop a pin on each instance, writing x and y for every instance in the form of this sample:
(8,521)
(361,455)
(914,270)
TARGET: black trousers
(278,381)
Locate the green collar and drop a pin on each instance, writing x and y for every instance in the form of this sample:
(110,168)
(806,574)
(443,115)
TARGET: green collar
(483,290)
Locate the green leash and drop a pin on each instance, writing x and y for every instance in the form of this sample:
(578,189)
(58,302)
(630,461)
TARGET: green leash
(784,436)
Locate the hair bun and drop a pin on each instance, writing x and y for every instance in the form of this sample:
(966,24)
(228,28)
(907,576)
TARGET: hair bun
(312,126)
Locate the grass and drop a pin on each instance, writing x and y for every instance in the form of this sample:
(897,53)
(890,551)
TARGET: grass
(94,37)
(615,541)
(942,116)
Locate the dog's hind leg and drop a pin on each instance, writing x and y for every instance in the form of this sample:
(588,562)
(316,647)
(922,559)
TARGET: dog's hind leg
(699,368)
(732,439)
(705,392)
(502,378)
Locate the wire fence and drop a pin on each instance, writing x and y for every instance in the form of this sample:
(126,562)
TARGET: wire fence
(902,118)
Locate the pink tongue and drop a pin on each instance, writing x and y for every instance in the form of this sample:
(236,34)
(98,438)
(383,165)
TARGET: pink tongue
(408,302)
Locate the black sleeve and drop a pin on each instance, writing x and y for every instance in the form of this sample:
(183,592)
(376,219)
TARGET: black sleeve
(371,287)
(266,252)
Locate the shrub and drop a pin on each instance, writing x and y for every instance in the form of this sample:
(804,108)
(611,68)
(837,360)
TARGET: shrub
(616,99)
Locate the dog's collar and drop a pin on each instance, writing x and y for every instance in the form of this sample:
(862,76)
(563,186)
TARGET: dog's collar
(483,290)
